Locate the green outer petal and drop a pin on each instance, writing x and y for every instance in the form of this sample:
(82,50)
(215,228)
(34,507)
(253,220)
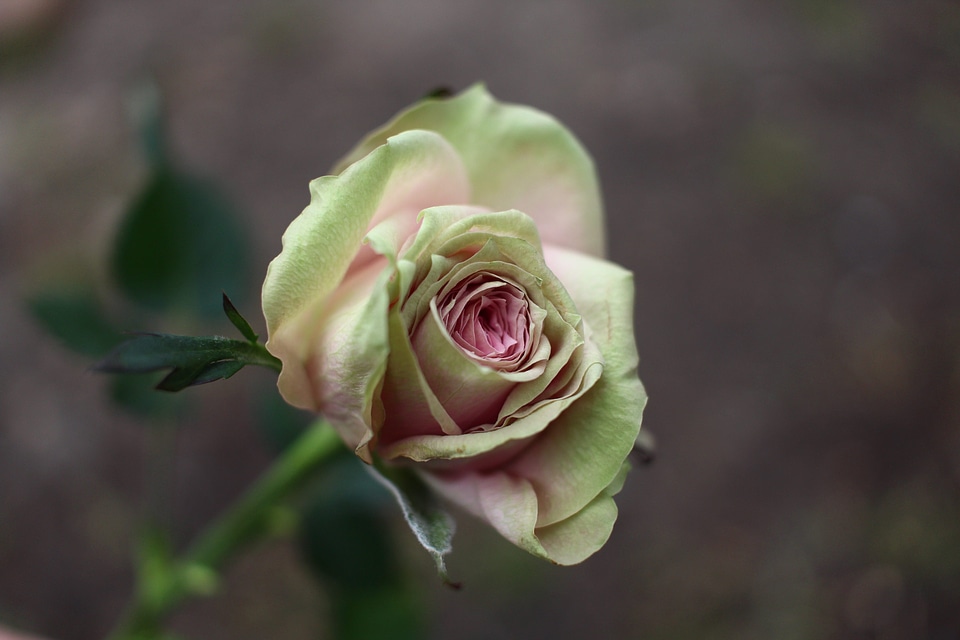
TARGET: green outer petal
(575,539)
(407,398)
(581,452)
(408,173)
(517,158)
(581,535)
(349,366)
(510,504)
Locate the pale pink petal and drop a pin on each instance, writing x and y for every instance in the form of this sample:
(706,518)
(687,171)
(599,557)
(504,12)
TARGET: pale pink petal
(517,158)
(410,172)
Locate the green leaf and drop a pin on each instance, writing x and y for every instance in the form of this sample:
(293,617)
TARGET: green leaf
(189,376)
(391,613)
(238,320)
(344,538)
(155,570)
(75,317)
(430,523)
(345,541)
(193,360)
(645,447)
(348,546)
(179,245)
(438,93)
(279,423)
(138,395)
(145,109)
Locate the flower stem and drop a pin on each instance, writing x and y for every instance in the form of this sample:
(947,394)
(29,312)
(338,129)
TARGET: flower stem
(195,573)
(258,355)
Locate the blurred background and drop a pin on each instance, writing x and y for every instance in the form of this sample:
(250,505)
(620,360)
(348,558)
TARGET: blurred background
(782,177)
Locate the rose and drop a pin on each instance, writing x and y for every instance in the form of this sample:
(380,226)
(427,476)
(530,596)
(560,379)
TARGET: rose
(443,301)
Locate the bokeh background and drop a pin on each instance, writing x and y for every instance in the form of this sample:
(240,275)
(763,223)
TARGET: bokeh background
(783,178)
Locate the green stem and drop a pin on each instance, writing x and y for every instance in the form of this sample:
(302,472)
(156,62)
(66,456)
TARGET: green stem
(195,573)
(257,354)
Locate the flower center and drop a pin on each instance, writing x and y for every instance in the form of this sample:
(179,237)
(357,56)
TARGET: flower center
(489,318)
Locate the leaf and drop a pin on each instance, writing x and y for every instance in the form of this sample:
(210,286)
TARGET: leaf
(238,320)
(279,423)
(346,542)
(138,395)
(193,360)
(391,613)
(181,378)
(645,446)
(344,539)
(179,245)
(430,523)
(348,545)
(438,93)
(76,319)
(145,108)
(155,571)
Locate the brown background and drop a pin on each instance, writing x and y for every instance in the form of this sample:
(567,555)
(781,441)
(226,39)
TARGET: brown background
(783,178)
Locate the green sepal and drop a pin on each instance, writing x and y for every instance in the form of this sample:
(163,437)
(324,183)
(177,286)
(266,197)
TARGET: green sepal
(431,524)
(238,320)
(193,360)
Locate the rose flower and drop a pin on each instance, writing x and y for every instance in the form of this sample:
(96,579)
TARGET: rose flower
(443,301)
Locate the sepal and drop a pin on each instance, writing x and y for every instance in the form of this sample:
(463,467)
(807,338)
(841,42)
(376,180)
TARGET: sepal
(430,522)
(193,360)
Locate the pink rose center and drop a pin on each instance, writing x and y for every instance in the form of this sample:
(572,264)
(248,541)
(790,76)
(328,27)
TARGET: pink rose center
(489,319)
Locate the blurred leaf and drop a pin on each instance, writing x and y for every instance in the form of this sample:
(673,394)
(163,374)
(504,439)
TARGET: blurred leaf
(346,542)
(392,613)
(645,447)
(238,320)
(145,108)
(155,571)
(193,360)
(438,93)
(280,423)
(344,538)
(432,525)
(179,246)
(199,580)
(348,545)
(138,395)
(75,317)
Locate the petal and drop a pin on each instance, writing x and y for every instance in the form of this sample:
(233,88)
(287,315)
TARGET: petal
(410,405)
(511,506)
(572,368)
(581,453)
(351,358)
(517,158)
(471,392)
(581,535)
(408,173)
